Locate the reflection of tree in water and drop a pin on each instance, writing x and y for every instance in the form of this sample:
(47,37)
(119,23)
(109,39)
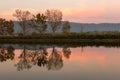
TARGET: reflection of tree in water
(28,57)
(10,52)
(6,54)
(55,61)
(2,54)
(42,58)
(66,52)
(39,57)
(23,62)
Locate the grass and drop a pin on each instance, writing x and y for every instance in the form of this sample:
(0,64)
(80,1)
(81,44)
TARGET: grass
(65,38)
(84,35)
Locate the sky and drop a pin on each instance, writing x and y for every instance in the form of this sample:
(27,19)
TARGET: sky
(82,11)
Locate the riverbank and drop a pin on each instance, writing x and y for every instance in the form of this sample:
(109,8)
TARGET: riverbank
(64,43)
(89,37)
(59,40)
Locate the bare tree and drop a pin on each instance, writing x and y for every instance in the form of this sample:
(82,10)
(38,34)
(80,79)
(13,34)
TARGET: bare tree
(54,18)
(24,18)
(66,27)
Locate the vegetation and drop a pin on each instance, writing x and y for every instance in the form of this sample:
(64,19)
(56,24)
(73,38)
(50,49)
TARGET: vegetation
(66,27)
(40,23)
(54,18)
(104,37)
(6,27)
(83,35)
(24,18)
(2,26)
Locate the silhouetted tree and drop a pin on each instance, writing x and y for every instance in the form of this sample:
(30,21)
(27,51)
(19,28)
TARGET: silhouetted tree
(40,23)
(24,18)
(2,26)
(10,27)
(66,27)
(54,18)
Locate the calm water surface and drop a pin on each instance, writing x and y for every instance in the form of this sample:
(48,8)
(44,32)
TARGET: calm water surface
(21,62)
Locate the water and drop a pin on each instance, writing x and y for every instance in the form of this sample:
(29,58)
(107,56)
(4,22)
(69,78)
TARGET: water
(35,62)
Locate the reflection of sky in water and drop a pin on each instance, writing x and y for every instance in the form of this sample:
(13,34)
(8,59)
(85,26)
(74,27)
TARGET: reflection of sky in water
(89,63)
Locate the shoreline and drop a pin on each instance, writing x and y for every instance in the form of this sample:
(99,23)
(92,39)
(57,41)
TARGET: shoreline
(65,43)
(59,40)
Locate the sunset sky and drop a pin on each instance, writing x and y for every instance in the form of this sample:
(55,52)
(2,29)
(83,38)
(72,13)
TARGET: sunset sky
(84,11)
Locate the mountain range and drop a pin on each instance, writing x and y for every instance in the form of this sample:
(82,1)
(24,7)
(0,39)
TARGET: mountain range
(78,27)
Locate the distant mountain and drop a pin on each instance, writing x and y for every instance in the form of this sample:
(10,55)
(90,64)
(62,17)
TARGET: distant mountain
(76,27)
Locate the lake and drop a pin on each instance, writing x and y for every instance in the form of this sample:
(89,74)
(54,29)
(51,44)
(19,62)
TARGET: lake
(51,62)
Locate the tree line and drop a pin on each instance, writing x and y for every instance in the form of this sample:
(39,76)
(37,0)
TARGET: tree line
(40,22)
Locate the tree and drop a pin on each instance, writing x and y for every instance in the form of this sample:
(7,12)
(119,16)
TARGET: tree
(6,27)
(24,18)
(40,23)
(66,27)
(10,27)
(2,26)
(54,18)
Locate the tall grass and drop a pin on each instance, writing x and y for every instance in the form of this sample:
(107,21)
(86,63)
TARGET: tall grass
(83,35)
